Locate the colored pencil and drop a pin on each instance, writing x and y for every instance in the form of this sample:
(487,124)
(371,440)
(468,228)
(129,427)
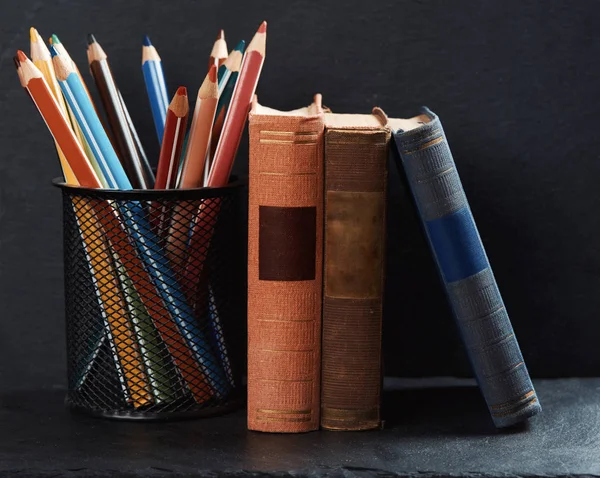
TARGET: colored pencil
(40,55)
(204,114)
(218,55)
(170,154)
(139,174)
(156,86)
(172,144)
(136,138)
(40,92)
(225,70)
(56,43)
(61,49)
(238,109)
(138,227)
(193,165)
(233,65)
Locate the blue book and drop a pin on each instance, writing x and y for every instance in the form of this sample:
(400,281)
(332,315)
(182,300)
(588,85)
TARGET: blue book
(464,268)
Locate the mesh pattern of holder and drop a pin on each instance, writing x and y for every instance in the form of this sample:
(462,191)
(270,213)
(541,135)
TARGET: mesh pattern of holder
(155,301)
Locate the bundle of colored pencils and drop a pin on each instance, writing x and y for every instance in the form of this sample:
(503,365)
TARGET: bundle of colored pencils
(94,157)
(205,159)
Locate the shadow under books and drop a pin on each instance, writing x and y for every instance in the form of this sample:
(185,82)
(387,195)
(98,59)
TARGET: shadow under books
(443,406)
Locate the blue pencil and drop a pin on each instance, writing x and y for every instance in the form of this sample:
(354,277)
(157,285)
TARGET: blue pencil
(137,224)
(87,119)
(156,86)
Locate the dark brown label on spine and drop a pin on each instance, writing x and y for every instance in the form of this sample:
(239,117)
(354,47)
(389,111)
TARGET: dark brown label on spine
(287,243)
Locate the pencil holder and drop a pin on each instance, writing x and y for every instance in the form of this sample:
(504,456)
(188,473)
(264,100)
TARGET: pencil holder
(155,301)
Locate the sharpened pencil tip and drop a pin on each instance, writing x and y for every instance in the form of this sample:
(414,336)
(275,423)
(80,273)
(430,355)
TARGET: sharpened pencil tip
(53,51)
(33,35)
(181,91)
(146,41)
(262,28)
(54,39)
(212,73)
(91,39)
(221,35)
(21,56)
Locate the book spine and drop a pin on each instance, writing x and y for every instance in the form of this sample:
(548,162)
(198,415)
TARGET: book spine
(355,190)
(285,278)
(465,270)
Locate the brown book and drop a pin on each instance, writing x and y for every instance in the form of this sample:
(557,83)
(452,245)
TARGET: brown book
(285,268)
(356,154)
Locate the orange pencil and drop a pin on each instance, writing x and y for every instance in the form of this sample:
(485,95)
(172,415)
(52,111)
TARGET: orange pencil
(33,80)
(40,56)
(193,165)
(219,52)
(199,139)
(238,109)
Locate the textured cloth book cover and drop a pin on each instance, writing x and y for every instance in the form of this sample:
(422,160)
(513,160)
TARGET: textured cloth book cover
(285,262)
(463,265)
(356,155)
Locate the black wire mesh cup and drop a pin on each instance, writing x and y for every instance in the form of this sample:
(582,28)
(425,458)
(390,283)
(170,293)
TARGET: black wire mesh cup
(155,301)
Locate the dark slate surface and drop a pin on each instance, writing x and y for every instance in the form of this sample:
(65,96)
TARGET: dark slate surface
(434,427)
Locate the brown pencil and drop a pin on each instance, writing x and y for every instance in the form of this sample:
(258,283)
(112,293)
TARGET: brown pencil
(219,52)
(139,172)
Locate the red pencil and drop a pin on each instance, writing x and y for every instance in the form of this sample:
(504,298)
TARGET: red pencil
(170,153)
(238,109)
(172,143)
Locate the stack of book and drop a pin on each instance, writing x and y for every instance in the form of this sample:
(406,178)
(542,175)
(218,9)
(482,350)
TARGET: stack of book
(316,270)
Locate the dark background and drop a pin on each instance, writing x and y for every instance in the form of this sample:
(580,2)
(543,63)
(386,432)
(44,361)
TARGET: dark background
(515,83)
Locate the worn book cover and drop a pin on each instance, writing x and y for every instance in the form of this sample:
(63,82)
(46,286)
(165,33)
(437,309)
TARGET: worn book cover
(356,155)
(463,265)
(285,263)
